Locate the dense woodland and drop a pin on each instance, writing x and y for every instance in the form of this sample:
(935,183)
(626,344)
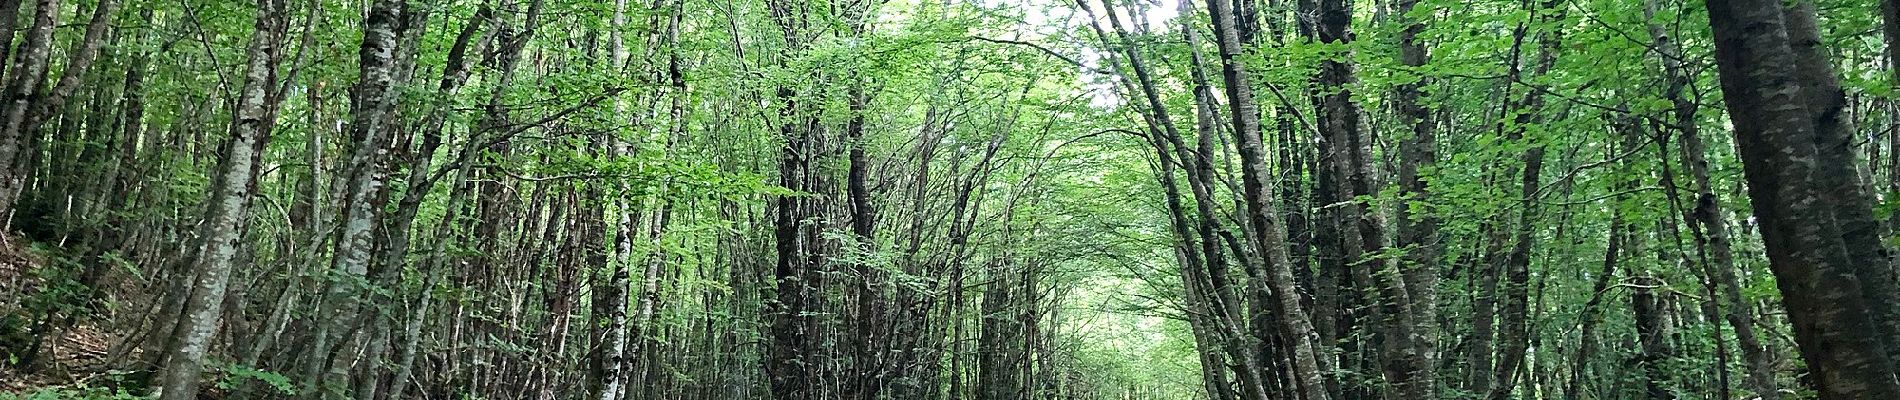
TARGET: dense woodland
(950,199)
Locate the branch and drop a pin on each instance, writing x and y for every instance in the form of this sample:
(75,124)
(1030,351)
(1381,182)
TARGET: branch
(511,174)
(1045,50)
(468,153)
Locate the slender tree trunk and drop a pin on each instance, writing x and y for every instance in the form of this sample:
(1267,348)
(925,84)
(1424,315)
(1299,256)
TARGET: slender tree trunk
(1514,316)
(1651,332)
(611,297)
(9,25)
(435,267)
(78,62)
(1203,256)
(1482,340)
(370,105)
(1418,223)
(795,365)
(1708,224)
(1586,336)
(119,186)
(227,212)
(1361,228)
(1262,214)
(868,365)
(659,211)
(28,73)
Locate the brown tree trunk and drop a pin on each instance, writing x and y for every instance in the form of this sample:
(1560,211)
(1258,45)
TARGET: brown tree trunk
(795,363)
(1000,358)
(1651,332)
(868,364)
(1514,315)
(1482,340)
(1586,336)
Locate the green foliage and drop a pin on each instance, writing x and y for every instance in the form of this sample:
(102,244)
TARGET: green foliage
(15,335)
(235,376)
(1068,195)
(79,391)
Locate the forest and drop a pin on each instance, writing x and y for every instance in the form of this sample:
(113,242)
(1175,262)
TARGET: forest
(950,199)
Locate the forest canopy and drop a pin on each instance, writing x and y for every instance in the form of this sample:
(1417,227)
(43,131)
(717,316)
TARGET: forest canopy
(950,199)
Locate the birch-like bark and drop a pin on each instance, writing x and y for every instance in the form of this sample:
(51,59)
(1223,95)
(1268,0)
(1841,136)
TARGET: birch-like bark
(16,102)
(370,108)
(611,359)
(226,213)
(78,62)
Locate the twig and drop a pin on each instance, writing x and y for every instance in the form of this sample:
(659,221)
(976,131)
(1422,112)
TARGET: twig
(1045,50)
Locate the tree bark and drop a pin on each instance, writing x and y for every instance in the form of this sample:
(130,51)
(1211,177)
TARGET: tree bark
(1586,336)
(28,73)
(1418,222)
(1202,257)
(1347,157)
(77,64)
(1780,132)
(794,361)
(611,296)
(227,211)
(1262,213)
(1514,316)
(1708,222)
(1842,182)
(371,104)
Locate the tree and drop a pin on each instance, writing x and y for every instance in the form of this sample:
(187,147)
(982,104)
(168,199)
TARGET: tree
(225,211)
(796,199)
(1784,112)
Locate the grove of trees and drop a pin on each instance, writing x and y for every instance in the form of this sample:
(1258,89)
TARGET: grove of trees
(950,199)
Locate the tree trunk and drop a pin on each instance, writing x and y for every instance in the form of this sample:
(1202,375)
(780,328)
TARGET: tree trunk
(1418,223)
(1840,177)
(1514,316)
(370,105)
(77,64)
(1347,157)
(1202,258)
(1780,134)
(227,211)
(1586,336)
(29,72)
(794,360)
(1708,222)
(1262,214)
(610,302)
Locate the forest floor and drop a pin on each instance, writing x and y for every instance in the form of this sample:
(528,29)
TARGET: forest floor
(74,355)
